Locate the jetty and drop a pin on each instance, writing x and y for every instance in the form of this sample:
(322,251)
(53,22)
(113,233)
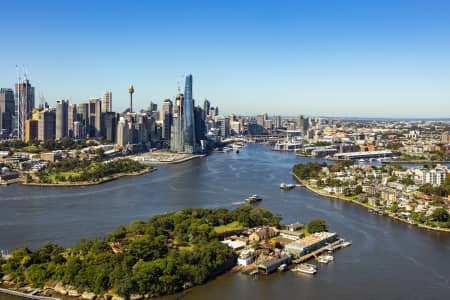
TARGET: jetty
(25,295)
(330,247)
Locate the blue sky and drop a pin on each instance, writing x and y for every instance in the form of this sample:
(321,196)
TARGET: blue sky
(336,58)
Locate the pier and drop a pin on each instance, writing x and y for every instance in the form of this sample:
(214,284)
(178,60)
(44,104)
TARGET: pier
(333,246)
(25,295)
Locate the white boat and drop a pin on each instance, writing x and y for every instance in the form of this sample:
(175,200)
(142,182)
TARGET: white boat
(346,244)
(305,268)
(325,259)
(282,267)
(287,186)
(253,199)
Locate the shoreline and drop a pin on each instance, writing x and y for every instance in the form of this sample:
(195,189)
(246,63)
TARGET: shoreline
(91,183)
(327,195)
(417,162)
(174,162)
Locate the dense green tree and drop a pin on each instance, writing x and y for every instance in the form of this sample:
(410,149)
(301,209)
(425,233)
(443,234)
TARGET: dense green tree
(440,215)
(317,225)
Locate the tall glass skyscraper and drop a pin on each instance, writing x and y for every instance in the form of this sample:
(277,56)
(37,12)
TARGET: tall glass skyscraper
(188,118)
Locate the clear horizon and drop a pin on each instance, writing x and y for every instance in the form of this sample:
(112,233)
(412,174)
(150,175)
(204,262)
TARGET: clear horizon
(369,59)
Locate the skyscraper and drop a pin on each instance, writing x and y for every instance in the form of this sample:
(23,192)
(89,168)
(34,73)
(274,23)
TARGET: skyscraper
(46,125)
(176,137)
(107,102)
(6,111)
(166,117)
(122,132)
(109,120)
(72,117)
(189,140)
(95,117)
(83,117)
(24,105)
(206,107)
(62,109)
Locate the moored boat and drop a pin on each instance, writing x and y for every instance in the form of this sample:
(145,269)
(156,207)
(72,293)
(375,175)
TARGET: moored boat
(306,268)
(325,259)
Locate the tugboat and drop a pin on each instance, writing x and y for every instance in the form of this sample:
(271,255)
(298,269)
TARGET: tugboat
(306,268)
(253,199)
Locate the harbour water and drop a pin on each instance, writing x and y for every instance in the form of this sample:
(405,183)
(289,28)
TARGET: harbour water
(388,259)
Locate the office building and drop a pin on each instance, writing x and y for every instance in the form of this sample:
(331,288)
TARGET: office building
(122,132)
(78,130)
(176,137)
(206,108)
(31,130)
(6,110)
(277,122)
(166,117)
(95,117)
(83,117)
(189,140)
(109,130)
(62,110)
(107,102)
(46,125)
(24,105)
(72,117)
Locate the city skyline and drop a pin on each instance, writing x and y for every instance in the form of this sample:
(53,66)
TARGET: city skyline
(348,60)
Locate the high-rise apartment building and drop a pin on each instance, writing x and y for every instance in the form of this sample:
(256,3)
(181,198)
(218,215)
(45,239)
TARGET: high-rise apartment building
(107,102)
(62,109)
(6,111)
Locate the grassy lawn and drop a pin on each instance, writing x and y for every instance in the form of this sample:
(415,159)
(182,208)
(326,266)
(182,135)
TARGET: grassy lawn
(228,227)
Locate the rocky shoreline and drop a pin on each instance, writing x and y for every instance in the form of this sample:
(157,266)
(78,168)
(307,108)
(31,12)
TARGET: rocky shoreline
(50,290)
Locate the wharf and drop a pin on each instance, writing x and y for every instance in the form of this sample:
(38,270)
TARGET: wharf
(25,295)
(333,246)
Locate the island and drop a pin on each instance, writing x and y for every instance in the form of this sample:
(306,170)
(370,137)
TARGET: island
(166,254)
(391,190)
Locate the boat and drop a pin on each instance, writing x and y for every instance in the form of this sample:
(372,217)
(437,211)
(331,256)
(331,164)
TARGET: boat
(346,244)
(325,259)
(282,267)
(306,268)
(253,199)
(237,151)
(287,186)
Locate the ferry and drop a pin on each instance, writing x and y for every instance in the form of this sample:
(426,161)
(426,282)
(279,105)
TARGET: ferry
(306,268)
(325,259)
(253,199)
(287,186)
